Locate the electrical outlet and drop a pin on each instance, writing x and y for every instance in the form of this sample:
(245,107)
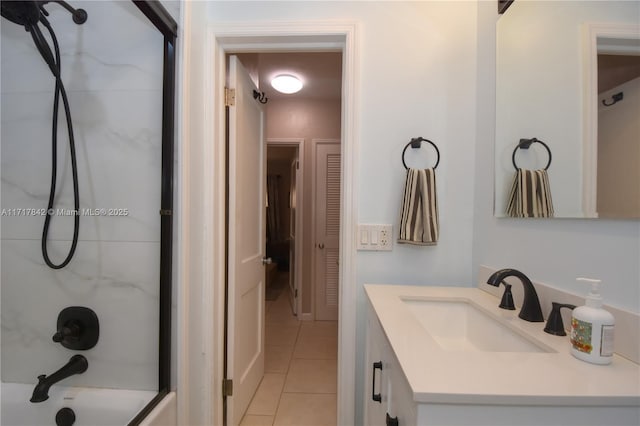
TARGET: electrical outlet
(384,240)
(375,237)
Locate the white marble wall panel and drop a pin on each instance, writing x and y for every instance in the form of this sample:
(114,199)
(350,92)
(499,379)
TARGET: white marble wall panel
(118,150)
(173,7)
(116,49)
(112,70)
(119,281)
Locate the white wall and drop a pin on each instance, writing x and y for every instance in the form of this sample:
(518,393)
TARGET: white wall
(553,251)
(114,82)
(417,78)
(405,92)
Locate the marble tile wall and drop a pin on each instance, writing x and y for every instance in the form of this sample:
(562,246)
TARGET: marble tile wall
(112,70)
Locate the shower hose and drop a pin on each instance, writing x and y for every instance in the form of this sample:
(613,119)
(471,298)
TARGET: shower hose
(54,64)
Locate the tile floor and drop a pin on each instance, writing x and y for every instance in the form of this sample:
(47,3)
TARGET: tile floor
(300,381)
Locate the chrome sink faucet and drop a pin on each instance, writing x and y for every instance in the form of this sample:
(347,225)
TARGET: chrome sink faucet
(531,304)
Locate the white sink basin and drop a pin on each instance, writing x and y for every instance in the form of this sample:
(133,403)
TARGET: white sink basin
(459,325)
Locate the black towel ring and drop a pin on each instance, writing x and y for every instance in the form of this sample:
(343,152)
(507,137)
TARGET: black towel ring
(415,143)
(525,144)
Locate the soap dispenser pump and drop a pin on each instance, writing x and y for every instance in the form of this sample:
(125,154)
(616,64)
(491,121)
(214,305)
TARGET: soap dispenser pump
(592,328)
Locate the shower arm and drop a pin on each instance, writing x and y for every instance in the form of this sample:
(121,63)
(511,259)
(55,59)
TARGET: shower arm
(79,15)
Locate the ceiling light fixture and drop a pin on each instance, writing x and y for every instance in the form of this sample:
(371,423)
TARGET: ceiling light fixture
(286,83)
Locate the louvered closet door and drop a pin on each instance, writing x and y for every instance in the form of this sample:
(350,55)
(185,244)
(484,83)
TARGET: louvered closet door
(327,209)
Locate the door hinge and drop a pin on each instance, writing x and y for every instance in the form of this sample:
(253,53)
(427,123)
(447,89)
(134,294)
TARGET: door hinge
(229,97)
(227,387)
(295,293)
(297,165)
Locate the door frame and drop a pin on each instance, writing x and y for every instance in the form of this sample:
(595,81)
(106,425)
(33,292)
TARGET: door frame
(591,32)
(201,302)
(298,143)
(314,193)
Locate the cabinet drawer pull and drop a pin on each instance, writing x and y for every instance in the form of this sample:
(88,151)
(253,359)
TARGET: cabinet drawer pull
(392,421)
(376,396)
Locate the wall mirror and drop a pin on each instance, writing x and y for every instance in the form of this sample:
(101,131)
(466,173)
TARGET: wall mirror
(568,74)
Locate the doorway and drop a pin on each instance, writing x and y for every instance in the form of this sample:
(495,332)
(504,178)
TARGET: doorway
(618,159)
(285,214)
(202,346)
(300,358)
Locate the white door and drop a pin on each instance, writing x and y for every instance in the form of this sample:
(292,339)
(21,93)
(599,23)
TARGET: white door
(246,286)
(327,229)
(293,292)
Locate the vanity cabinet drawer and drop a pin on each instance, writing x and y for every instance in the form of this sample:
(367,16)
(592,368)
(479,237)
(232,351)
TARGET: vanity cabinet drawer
(388,398)
(375,389)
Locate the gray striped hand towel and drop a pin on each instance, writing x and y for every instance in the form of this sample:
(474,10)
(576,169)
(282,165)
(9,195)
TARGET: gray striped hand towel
(530,195)
(419,214)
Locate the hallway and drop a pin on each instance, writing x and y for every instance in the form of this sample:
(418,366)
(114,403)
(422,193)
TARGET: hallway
(300,382)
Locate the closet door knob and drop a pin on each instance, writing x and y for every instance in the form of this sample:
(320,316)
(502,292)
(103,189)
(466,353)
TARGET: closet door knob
(266,261)
(321,246)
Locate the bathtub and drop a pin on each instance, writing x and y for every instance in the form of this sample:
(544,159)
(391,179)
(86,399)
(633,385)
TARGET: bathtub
(92,406)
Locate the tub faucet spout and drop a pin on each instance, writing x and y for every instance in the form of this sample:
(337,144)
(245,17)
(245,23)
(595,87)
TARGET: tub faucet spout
(531,304)
(76,365)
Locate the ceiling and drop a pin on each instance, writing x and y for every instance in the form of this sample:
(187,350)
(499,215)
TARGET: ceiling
(321,72)
(614,70)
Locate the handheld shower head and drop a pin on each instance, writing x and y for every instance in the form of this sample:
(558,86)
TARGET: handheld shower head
(25,13)
(28,12)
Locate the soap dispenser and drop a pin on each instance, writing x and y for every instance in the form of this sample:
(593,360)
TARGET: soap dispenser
(592,328)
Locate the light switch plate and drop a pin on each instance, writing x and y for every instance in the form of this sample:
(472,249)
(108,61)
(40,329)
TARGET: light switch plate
(373,237)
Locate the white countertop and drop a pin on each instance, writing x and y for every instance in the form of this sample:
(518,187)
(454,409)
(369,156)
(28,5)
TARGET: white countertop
(436,375)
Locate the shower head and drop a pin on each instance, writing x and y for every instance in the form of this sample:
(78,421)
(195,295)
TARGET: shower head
(28,12)
(25,13)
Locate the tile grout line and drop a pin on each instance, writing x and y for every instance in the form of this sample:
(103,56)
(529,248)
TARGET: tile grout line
(274,305)
(288,370)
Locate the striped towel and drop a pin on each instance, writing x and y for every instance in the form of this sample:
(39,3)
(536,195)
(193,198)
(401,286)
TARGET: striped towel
(419,215)
(530,195)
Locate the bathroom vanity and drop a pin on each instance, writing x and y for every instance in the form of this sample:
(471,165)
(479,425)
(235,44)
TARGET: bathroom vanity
(450,356)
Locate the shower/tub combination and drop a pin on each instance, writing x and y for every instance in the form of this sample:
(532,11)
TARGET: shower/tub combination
(86,210)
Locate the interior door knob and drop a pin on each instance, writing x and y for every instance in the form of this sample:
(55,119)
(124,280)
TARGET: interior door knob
(266,261)
(321,245)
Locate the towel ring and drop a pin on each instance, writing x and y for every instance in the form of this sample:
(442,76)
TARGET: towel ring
(525,144)
(415,143)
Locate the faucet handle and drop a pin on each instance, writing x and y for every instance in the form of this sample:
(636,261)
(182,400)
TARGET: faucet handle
(78,328)
(71,330)
(555,325)
(507,298)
